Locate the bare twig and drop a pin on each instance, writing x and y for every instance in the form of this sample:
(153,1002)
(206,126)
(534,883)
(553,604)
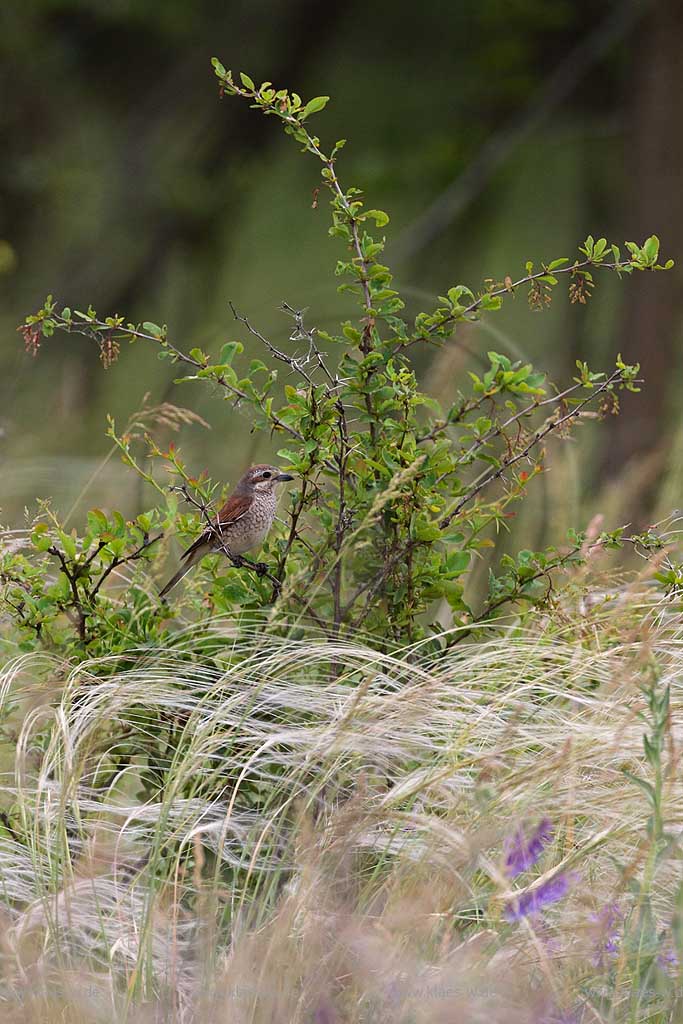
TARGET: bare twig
(117,562)
(295,364)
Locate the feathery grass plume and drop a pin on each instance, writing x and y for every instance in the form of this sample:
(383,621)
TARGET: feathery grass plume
(259,828)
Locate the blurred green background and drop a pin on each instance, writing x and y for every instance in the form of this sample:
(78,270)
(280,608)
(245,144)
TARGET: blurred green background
(492,131)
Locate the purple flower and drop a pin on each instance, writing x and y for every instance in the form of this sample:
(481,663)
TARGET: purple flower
(522,853)
(610,921)
(535,899)
(668,961)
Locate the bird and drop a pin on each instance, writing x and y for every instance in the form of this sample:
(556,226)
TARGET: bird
(242,523)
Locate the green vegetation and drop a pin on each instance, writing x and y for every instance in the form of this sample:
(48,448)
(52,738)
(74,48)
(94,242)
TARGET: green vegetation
(259,811)
(396,497)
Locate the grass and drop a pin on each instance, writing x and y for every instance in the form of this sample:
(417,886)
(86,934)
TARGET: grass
(252,828)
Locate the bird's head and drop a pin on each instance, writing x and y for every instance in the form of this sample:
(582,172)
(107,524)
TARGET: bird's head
(263,478)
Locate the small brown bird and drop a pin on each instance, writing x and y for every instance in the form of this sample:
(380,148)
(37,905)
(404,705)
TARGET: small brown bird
(241,524)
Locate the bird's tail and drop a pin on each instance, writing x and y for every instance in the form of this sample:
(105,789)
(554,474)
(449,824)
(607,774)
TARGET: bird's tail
(182,571)
(194,557)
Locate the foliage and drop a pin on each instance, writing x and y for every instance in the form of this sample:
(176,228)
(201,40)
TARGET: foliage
(396,496)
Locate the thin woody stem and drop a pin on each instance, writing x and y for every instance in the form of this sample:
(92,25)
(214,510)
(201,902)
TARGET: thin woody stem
(277,353)
(90,328)
(512,286)
(117,562)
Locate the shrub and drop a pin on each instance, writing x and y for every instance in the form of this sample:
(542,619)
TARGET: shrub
(395,497)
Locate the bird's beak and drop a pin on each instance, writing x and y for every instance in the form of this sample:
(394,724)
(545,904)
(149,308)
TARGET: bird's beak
(283,477)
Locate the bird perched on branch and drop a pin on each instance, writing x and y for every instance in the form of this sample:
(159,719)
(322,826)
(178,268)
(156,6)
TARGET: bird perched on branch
(241,524)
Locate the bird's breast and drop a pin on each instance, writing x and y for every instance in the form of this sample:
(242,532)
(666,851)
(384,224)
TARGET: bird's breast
(251,529)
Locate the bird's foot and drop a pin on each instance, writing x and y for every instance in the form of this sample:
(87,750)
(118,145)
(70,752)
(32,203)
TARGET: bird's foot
(260,568)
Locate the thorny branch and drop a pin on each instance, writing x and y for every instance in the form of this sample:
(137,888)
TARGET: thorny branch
(340,463)
(302,333)
(298,365)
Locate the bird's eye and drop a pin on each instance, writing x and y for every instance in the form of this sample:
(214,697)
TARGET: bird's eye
(267,475)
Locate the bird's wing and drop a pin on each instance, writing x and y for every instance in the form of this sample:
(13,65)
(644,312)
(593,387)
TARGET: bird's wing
(235,508)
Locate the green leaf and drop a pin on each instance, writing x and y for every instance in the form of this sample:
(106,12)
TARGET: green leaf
(423,529)
(229,351)
(651,248)
(287,456)
(151,328)
(40,541)
(645,786)
(599,248)
(379,216)
(246,81)
(68,543)
(314,105)
(97,522)
(457,562)
(352,333)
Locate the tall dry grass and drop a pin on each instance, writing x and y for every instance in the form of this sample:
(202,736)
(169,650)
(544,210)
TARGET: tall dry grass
(329,834)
